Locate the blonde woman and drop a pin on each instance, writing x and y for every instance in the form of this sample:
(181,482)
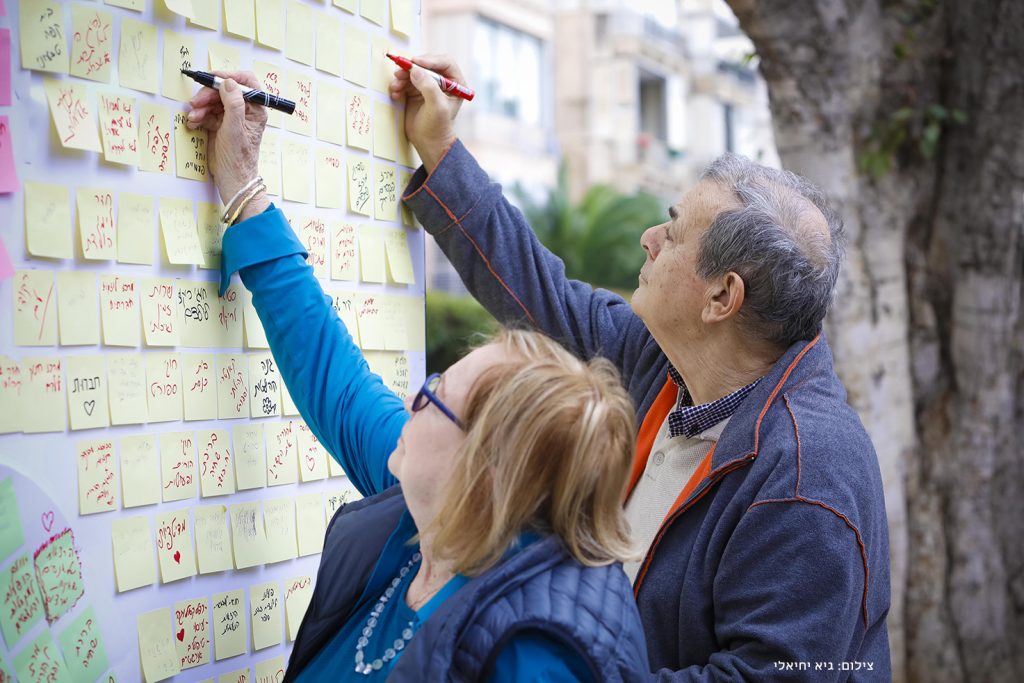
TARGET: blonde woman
(497,558)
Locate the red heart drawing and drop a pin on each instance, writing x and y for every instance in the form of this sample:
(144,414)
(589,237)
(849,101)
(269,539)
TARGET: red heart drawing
(177,556)
(181,635)
(47,520)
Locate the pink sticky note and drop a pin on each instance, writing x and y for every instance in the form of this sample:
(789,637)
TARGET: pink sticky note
(6,267)
(5,64)
(3,10)
(8,173)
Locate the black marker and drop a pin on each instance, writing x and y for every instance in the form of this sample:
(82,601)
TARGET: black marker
(250,95)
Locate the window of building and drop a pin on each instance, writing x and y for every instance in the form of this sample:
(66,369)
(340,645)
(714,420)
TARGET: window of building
(510,74)
(653,106)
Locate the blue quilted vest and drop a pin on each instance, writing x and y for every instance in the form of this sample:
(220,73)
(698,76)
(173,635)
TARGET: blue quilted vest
(539,588)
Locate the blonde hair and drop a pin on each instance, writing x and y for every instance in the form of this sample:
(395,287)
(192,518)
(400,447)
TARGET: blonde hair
(549,446)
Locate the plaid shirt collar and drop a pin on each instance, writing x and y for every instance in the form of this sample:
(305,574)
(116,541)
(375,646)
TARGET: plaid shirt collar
(689,420)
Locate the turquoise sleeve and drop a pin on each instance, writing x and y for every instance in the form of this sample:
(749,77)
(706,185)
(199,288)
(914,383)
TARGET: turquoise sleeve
(349,409)
(539,658)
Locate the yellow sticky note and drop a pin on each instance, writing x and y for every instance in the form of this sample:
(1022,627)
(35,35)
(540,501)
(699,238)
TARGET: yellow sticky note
(74,114)
(393,368)
(138,67)
(404,178)
(35,308)
(192,632)
(199,377)
(207,14)
(178,228)
(359,121)
(208,320)
(137,5)
(288,406)
(208,220)
(297,594)
(382,69)
(330,178)
(43,36)
(347,5)
(270,669)
(184,8)
(159,317)
(140,472)
(282,454)
(213,545)
(270,23)
(174,549)
(177,466)
(134,228)
(96,225)
(154,138)
(87,392)
(216,471)
(356,62)
(179,53)
(301,89)
(156,646)
(265,609)
(239,18)
(312,233)
(396,246)
(344,261)
(359,187)
(402,21)
(309,520)
(295,170)
(255,336)
(374,10)
(299,43)
(118,129)
(134,564)
(312,455)
(371,254)
(97,476)
(11,400)
(271,78)
(279,522)
(414,317)
(126,384)
(229,627)
(247,535)
(43,389)
(76,309)
(385,204)
(163,387)
(330,113)
(224,57)
(189,150)
(92,37)
(47,220)
(119,311)
(328,44)
(250,457)
(345,305)
(270,163)
(336,500)
(385,132)
(266,385)
(371,323)
(232,386)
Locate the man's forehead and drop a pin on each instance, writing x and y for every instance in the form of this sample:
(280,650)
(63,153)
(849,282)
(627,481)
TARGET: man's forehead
(703,202)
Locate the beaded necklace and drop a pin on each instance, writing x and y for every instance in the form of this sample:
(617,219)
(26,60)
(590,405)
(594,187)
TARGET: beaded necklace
(367,668)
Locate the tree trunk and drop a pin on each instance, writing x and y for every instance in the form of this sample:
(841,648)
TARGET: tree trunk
(910,115)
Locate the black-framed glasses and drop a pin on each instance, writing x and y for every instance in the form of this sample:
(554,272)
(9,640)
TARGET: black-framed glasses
(426,395)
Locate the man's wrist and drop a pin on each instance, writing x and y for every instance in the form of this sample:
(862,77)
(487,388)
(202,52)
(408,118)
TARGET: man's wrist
(431,154)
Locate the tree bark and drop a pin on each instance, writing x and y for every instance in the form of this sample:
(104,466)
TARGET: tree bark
(927,329)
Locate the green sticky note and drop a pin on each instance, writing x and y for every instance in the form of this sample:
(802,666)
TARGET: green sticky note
(82,644)
(5,673)
(11,535)
(60,575)
(22,606)
(41,661)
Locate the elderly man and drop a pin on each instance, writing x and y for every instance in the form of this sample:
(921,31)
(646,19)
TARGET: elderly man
(756,496)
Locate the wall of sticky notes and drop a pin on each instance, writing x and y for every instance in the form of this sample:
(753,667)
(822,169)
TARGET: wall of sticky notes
(162,503)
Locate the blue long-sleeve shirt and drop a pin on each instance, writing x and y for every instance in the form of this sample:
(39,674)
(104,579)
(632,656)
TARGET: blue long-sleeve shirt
(348,408)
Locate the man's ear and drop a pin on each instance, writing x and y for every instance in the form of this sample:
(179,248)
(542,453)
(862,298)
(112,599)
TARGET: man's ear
(724,298)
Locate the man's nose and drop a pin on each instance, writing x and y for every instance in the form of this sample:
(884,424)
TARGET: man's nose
(651,240)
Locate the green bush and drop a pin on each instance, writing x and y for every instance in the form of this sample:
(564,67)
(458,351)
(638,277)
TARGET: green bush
(454,325)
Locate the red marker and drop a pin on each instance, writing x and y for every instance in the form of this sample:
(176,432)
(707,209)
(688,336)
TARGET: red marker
(447,85)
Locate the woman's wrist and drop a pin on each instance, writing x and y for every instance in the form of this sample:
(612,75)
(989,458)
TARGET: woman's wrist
(255,206)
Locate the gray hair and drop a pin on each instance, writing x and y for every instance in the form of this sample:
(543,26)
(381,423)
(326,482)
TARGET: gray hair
(775,242)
